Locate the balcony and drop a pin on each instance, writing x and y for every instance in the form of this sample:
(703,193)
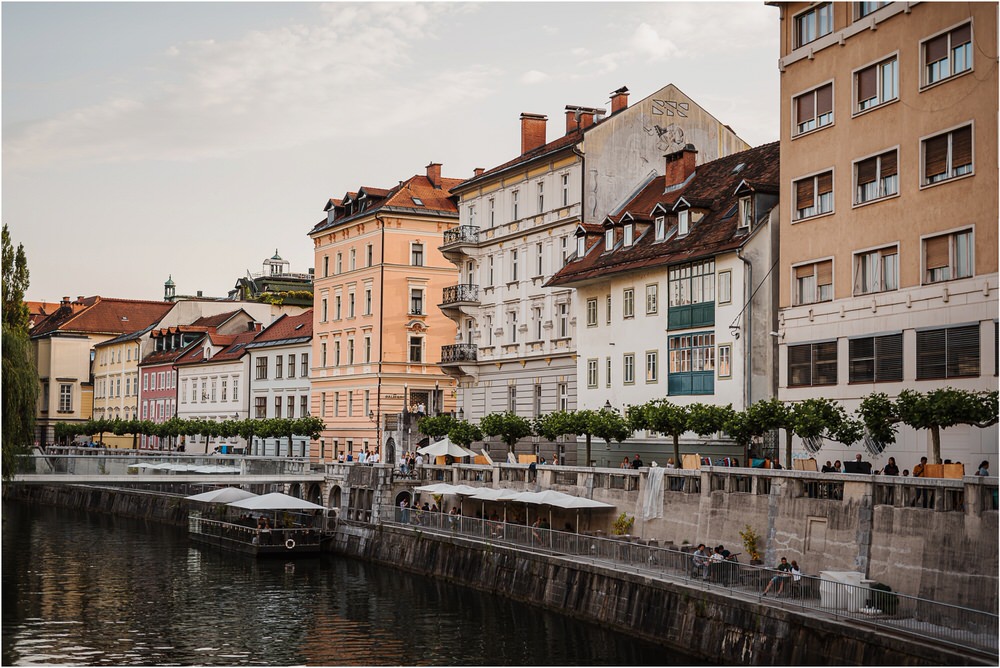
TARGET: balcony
(463,293)
(468,234)
(459,352)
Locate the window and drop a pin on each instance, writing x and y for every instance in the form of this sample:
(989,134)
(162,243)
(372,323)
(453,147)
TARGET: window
(277,407)
(609,239)
(492,209)
(304,365)
(691,295)
(514,196)
(336,353)
(691,364)
(813,109)
(472,214)
(291,366)
(607,364)
(813,195)
(512,398)
(236,388)
(863,9)
(336,307)
(225,389)
(563,320)
(948,353)
(746,212)
(876,359)
(683,222)
(538,323)
(145,381)
(416,349)
(512,318)
(812,364)
(368,301)
(489,330)
(581,246)
(367,406)
(369,255)
(651,299)
(628,303)
(591,312)
(290,408)
(322,404)
(564,245)
(261,368)
(947,54)
(661,228)
(813,282)
(876,177)
(876,84)
(336,404)
(948,256)
(813,24)
(278,366)
(592,373)
(629,233)
(350,351)
(538,259)
(876,271)
(340,263)
(946,156)
(368,349)
(537,407)
(725,287)
(304,406)
(416,301)
(513,265)
(565,189)
(652,366)
(65,398)
(350,304)
(628,368)
(541,197)
(726,361)
(561,390)
(417,255)
(608,309)
(322,354)
(352,262)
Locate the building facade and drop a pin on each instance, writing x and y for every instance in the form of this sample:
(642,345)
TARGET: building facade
(376,337)
(888,271)
(278,359)
(674,295)
(116,383)
(516,347)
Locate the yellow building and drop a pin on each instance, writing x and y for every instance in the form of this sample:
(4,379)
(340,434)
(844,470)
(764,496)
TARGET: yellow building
(116,383)
(377,334)
(888,270)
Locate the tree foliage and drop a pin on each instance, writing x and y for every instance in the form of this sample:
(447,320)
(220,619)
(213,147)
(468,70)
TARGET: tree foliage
(943,408)
(508,426)
(19,376)
(464,433)
(662,416)
(436,426)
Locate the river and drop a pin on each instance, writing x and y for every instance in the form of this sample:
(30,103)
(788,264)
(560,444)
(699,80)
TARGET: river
(89,590)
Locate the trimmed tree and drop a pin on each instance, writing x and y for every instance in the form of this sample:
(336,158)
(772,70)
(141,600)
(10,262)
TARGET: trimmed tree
(436,426)
(558,423)
(508,426)
(662,416)
(943,408)
(755,421)
(464,433)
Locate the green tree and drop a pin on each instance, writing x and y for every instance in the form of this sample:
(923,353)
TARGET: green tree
(607,424)
(756,420)
(464,433)
(436,426)
(879,416)
(943,408)
(662,416)
(508,426)
(19,378)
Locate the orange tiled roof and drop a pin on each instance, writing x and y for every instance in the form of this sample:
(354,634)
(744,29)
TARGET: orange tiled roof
(288,327)
(99,315)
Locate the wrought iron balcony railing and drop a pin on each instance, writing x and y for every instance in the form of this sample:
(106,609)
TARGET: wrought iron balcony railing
(459,352)
(464,233)
(463,292)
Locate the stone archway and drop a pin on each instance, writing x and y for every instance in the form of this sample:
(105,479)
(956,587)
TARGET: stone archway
(334,499)
(295,490)
(314,494)
(390,451)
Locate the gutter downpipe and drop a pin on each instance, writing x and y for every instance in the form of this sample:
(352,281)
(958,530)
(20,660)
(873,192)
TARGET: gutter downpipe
(747,332)
(381,335)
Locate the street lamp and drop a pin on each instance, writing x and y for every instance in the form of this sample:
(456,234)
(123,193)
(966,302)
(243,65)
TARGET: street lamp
(461,413)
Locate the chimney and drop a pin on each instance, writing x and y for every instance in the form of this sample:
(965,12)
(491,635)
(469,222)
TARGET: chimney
(581,117)
(198,294)
(478,171)
(434,174)
(251,326)
(65,301)
(679,165)
(619,100)
(532,131)
(80,299)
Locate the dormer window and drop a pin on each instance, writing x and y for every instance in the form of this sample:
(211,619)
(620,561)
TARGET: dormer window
(417,201)
(609,238)
(581,246)
(683,222)
(629,234)
(661,228)
(746,212)
(330,215)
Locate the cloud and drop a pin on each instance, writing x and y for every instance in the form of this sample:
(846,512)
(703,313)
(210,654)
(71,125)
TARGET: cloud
(646,41)
(268,89)
(534,77)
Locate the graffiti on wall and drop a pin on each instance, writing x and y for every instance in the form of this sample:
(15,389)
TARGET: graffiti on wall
(669,136)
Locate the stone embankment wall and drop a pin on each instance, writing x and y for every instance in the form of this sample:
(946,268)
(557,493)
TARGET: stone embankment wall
(714,627)
(138,504)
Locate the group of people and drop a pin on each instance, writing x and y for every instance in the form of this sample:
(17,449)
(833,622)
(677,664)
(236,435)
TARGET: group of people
(364,457)
(410,461)
(891,468)
(717,564)
(635,464)
(785,572)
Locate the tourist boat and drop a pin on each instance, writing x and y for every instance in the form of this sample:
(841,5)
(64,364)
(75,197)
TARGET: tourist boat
(293,527)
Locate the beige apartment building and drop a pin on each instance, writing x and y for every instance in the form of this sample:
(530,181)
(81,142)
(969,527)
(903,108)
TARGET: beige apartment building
(377,336)
(888,269)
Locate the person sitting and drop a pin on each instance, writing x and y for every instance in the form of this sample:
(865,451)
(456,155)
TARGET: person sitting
(699,561)
(783,570)
(890,467)
(715,565)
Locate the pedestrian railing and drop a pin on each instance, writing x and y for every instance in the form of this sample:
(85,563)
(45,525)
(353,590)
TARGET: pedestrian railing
(864,602)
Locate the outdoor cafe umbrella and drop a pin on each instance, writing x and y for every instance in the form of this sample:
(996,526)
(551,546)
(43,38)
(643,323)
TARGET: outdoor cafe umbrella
(223,495)
(275,501)
(445,447)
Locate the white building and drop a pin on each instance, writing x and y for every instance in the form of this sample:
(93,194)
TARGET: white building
(674,296)
(278,360)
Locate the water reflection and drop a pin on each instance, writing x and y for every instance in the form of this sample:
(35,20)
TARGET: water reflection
(81,589)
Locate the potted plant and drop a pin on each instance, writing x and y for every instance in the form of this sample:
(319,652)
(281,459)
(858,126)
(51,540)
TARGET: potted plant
(623,525)
(751,544)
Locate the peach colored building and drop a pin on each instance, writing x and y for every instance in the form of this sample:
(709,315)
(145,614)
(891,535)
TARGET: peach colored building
(377,334)
(888,271)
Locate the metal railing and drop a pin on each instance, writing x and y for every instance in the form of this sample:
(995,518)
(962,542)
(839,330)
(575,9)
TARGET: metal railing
(887,610)
(249,534)
(466,233)
(108,462)
(458,352)
(463,292)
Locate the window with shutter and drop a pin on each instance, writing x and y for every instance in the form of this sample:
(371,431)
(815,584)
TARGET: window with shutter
(947,155)
(812,364)
(876,359)
(813,109)
(948,256)
(799,366)
(813,195)
(947,55)
(813,282)
(948,353)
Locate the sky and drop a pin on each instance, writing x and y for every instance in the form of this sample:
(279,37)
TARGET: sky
(192,140)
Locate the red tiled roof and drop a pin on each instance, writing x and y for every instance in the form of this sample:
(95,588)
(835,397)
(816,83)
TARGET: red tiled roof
(98,315)
(165,356)
(713,188)
(236,349)
(288,327)
(214,320)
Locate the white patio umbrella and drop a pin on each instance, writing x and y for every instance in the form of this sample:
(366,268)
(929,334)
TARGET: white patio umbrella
(436,488)
(275,501)
(445,447)
(223,495)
